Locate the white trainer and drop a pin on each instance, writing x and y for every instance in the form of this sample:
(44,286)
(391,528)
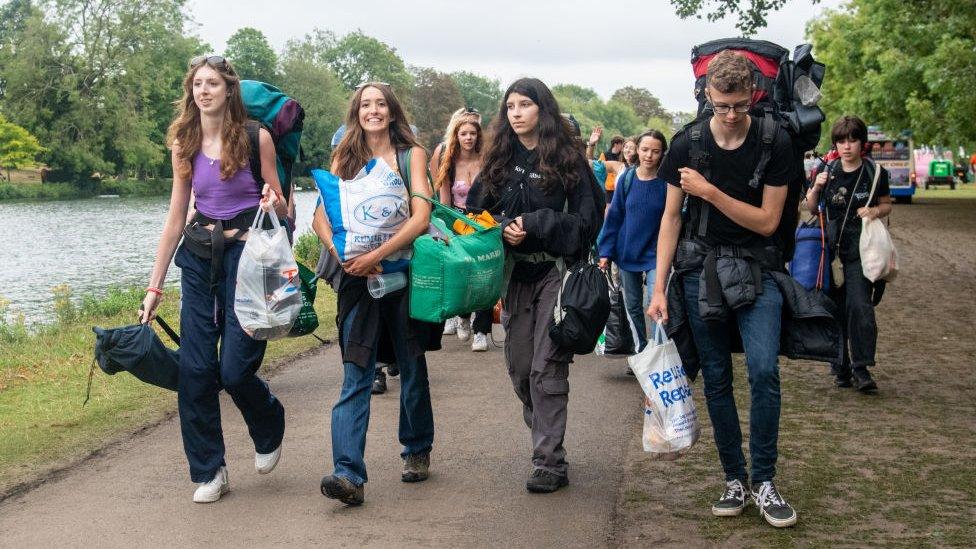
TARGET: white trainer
(209,492)
(463,328)
(265,463)
(450,326)
(480,342)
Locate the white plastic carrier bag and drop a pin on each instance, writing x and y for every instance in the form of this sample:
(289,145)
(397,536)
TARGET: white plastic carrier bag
(670,422)
(267,300)
(366,211)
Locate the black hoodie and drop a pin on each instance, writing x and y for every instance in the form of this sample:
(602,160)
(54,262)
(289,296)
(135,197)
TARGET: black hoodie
(560,225)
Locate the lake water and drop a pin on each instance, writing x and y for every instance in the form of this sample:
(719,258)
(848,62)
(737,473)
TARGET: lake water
(88,244)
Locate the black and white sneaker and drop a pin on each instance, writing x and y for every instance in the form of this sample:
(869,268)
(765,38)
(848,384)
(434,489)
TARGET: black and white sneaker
(772,506)
(733,500)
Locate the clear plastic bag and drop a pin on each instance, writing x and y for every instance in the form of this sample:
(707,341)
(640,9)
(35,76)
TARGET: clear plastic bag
(267,299)
(671,425)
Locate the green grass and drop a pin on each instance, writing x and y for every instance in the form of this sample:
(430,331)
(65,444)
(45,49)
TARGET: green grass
(857,470)
(69,191)
(44,372)
(961,191)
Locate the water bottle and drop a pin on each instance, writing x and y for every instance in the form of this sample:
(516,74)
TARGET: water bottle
(381,284)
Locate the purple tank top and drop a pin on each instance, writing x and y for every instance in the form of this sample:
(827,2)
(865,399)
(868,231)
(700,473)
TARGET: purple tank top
(218,199)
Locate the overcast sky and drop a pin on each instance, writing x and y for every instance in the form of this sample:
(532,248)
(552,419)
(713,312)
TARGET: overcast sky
(598,44)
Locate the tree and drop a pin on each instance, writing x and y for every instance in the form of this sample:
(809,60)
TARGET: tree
(751,14)
(251,55)
(18,148)
(307,78)
(435,97)
(576,94)
(358,58)
(901,69)
(480,93)
(615,117)
(642,101)
(92,79)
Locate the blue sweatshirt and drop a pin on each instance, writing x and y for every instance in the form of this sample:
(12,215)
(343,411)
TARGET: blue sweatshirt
(629,236)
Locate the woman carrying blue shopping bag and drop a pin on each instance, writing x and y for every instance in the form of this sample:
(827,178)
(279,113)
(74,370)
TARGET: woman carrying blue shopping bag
(376,240)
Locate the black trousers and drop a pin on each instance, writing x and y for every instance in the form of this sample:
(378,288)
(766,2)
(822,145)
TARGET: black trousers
(857,318)
(481,324)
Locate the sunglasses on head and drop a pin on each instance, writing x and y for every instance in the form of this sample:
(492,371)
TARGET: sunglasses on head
(214,60)
(364,84)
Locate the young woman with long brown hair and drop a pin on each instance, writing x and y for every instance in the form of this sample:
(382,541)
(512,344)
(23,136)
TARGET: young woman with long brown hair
(538,184)
(377,128)
(212,146)
(459,165)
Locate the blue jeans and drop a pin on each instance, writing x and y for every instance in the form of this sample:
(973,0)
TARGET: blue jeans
(350,415)
(759,325)
(206,318)
(635,300)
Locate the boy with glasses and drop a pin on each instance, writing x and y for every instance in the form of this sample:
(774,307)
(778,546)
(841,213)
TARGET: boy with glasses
(731,219)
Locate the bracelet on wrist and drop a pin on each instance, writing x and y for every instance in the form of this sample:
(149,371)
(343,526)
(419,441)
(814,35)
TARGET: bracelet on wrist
(155,290)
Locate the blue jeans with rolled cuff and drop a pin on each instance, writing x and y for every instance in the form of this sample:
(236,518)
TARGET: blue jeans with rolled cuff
(350,414)
(759,325)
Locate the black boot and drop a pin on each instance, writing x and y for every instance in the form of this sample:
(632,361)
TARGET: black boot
(544,482)
(842,375)
(865,383)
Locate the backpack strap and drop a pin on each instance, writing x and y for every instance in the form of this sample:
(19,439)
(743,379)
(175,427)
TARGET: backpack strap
(628,180)
(253,129)
(700,161)
(768,127)
(403,161)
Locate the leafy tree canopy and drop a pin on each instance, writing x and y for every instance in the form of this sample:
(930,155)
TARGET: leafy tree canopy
(251,55)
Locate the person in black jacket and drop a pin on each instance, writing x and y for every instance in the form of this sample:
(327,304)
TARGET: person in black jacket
(725,251)
(538,185)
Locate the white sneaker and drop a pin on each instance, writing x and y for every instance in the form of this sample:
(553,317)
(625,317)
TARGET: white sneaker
(480,342)
(209,492)
(450,326)
(265,463)
(463,329)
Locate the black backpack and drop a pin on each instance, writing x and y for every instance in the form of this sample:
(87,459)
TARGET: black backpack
(785,100)
(583,308)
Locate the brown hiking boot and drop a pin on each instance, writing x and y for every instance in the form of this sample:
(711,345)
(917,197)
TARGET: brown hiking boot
(416,467)
(342,489)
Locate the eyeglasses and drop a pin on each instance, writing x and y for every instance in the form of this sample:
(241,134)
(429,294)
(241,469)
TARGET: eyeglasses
(471,110)
(214,60)
(724,109)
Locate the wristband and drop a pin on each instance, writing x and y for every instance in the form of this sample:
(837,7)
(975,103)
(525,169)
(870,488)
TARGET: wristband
(154,290)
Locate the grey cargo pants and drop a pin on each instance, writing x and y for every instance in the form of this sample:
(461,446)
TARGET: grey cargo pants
(538,368)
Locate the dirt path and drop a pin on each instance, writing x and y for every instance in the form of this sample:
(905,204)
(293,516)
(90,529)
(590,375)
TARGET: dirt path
(137,494)
(888,470)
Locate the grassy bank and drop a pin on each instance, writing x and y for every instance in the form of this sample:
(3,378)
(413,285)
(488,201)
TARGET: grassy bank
(44,372)
(68,191)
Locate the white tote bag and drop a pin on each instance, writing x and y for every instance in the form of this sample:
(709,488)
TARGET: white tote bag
(879,259)
(670,422)
(266,298)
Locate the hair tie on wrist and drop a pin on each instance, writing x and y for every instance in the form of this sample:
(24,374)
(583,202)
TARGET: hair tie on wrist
(155,290)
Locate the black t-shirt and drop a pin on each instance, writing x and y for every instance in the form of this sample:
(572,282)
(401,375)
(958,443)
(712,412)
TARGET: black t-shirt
(841,186)
(731,172)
